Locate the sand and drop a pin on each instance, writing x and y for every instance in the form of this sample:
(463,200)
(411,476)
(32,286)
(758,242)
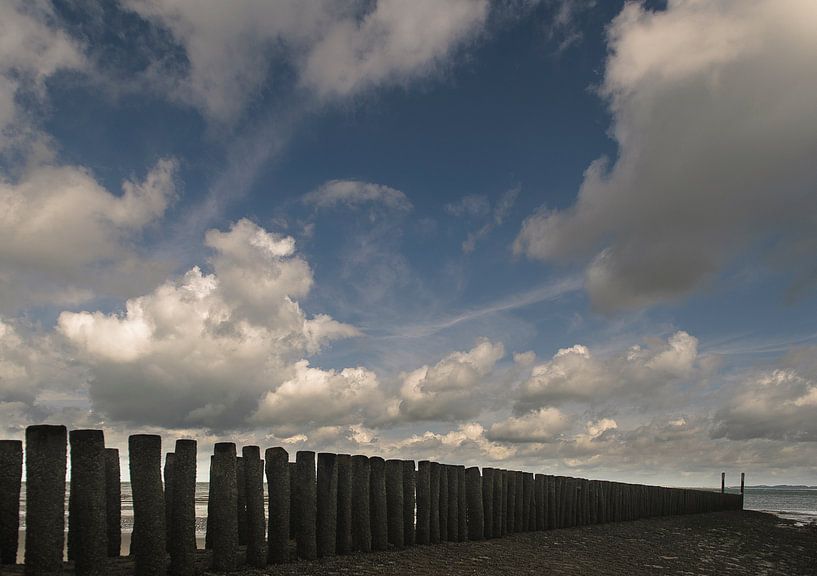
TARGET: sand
(724,543)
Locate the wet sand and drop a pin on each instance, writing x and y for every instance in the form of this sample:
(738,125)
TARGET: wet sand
(723,543)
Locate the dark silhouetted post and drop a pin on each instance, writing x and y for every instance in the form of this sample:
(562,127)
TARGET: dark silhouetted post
(343,542)
(488,502)
(541,501)
(723,482)
(443,502)
(241,500)
(88,484)
(529,512)
(551,498)
(361,504)
(225,507)
(474,504)
(168,477)
(434,499)
(113,502)
(293,501)
(409,502)
(742,481)
(462,505)
(453,504)
(182,528)
(327,510)
(145,458)
(394,502)
(423,531)
(507,503)
(378,506)
(510,479)
(519,514)
(45,499)
(498,504)
(11,473)
(254,489)
(306,490)
(208,536)
(277,467)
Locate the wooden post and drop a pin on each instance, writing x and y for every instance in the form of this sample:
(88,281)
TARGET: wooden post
(254,491)
(409,502)
(145,458)
(723,482)
(488,502)
(241,500)
(11,473)
(474,504)
(88,483)
(182,528)
(443,503)
(423,530)
(168,485)
(327,510)
(394,502)
(343,543)
(208,536)
(742,481)
(277,469)
(462,505)
(496,531)
(510,480)
(528,510)
(224,507)
(306,490)
(434,500)
(541,502)
(379,505)
(113,502)
(45,499)
(519,514)
(293,500)
(361,504)
(453,504)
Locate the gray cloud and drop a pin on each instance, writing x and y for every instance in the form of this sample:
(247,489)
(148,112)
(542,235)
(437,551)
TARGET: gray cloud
(714,118)
(353,193)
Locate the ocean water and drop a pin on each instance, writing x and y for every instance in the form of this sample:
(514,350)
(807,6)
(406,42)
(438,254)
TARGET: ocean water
(794,504)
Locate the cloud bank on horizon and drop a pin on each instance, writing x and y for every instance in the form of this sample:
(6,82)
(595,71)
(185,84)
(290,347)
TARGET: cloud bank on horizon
(385,280)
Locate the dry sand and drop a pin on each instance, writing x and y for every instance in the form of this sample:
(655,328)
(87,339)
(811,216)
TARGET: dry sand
(724,543)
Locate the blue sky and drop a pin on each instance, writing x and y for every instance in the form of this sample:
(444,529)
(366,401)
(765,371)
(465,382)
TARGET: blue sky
(565,235)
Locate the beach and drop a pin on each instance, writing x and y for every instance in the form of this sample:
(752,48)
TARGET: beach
(723,543)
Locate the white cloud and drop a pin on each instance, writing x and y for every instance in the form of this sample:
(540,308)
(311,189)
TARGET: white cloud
(500,212)
(713,116)
(201,350)
(63,236)
(542,425)
(353,193)
(453,388)
(336,49)
(31,50)
(470,206)
(575,375)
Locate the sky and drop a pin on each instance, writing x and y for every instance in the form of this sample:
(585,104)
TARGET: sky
(567,236)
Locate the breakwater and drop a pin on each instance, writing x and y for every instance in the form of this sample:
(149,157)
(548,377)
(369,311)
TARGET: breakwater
(328,504)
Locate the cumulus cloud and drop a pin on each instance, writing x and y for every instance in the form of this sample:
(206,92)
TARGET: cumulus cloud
(451,389)
(202,349)
(713,117)
(335,49)
(63,235)
(542,425)
(31,50)
(575,375)
(353,193)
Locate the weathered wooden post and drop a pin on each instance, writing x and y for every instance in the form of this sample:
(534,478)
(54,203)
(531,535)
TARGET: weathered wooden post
(519,514)
(443,502)
(742,479)
(293,500)
(361,504)
(327,510)
(182,528)
(225,507)
(11,473)
(241,500)
(277,469)
(254,490)
(474,505)
(168,478)
(306,490)
(462,505)
(453,504)
(508,488)
(528,510)
(145,459)
(113,502)
(723,482)
(550,482)
(394,502)
(498,503)
(510,480)
(434,499)
(423,531)
(343,541)
(488,502)
(208,536)
(45,499)
(379,504)
(540,502)
(409,502)
(88,485)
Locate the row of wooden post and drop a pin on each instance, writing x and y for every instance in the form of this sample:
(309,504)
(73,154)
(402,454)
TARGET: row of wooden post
(336,504)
